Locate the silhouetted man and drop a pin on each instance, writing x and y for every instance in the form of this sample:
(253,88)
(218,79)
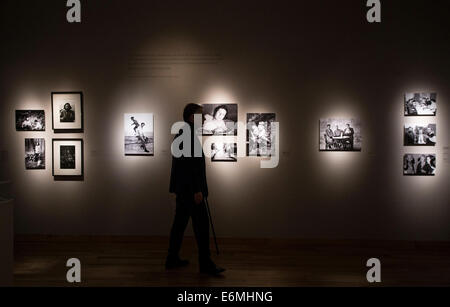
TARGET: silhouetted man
(188,182)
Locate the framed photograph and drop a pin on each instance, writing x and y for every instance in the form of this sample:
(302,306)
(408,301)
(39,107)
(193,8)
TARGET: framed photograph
(420,135)
(34,154)
(138,134)
(419,164)
(68,158)
(67,112)
(220,119)
(260,136)
(30,120)
(340,135)
(223,152)
(420,104)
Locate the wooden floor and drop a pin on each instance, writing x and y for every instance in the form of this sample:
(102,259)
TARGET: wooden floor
(139,261)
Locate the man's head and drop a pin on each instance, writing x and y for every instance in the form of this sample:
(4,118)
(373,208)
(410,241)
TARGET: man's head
(67,107)
(328,126)
(189,111)
(142,124)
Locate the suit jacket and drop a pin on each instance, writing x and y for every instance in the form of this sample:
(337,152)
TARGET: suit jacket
(188,175)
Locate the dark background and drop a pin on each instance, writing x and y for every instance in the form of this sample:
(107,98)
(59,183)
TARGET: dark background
(303,60)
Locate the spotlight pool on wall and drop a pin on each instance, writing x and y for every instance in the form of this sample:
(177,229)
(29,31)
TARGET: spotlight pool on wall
(340,134)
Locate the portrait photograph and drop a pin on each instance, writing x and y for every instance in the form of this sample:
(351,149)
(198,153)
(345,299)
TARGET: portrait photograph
(67,109)
(340,135)
(223,152)
(420,135)
(419,164)
(220,119)
(260,136)
(34,154)
(420,104)
(138,134)
(68,158)
(30,120)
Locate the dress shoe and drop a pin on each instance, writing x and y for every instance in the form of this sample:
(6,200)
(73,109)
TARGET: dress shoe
(211,268)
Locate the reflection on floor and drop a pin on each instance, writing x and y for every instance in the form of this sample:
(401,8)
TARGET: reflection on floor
(139,261)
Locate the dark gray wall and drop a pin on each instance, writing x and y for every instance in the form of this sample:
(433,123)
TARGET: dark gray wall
(303,62)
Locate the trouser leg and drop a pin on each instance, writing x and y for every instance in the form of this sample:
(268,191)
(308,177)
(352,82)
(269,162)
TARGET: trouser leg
(179,225)
(200,224)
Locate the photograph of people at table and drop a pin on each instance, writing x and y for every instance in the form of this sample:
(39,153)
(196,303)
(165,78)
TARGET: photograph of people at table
(340,135)
(420,104)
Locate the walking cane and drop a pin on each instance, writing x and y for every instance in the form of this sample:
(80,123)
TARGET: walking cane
(212,226)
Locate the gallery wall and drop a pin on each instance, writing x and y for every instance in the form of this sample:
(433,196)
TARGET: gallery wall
(314,60)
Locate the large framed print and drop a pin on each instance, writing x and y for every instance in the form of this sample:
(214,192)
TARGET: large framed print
(419,164)
(30,120)
(260,137)
(420,104)
(68,158)
(67,112)
(220,119)
(138,134)
(340,134)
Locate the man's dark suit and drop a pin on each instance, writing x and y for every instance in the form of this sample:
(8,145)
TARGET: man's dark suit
(188,176)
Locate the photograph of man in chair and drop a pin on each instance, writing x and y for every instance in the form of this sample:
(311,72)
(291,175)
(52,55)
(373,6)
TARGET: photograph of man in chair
(342,138)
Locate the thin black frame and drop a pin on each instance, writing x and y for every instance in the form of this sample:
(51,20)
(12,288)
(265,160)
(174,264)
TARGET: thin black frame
(80,130)
(68,177)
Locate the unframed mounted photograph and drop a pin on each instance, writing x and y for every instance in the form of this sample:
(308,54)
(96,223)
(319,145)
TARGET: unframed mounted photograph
(420,104)
(220,119)
(30,120)
(260,136)
(223,152)
(138,134)
(420,135)
(34,154)
(340,135)
(67,109)
(419,164)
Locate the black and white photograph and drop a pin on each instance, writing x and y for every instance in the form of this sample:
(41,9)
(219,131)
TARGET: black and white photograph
(260,136)
(420,104)
(68,158)
(419,164)
(340,135)
(30,120)
(34,154)
(420,135)
(67,109)
(223,152)
(138,134)
(220,119)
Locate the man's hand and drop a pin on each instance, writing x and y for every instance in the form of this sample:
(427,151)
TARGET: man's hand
(198,198)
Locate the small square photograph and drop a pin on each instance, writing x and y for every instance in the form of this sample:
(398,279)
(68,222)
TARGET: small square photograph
(260,136)
(223,152)
(68,158)
(220,119)
(67,109)
(30,120)
(420,104)
(419,164)
(34,154)
(138,134)
(420,135)
(340,135)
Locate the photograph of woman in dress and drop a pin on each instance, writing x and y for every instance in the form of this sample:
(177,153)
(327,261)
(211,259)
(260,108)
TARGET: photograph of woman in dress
(219,119)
